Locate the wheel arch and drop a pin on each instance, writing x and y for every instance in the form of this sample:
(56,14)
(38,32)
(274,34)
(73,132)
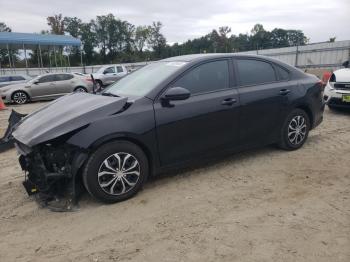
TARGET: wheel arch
(119,137)
(80,86)
(20,90)
(309,113)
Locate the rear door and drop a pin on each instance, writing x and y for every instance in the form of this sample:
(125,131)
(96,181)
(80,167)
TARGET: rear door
(205,122)
(45,87)
(264,100)
(65,83)
(121,72)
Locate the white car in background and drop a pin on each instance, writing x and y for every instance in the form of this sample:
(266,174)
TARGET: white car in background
(107,75)
(337,90)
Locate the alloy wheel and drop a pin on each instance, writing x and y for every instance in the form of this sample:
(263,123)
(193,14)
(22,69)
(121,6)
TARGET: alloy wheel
(297,130)
(20,98)
(118,173)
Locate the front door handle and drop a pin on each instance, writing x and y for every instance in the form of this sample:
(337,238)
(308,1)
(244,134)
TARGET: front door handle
(284,92)
(229,101)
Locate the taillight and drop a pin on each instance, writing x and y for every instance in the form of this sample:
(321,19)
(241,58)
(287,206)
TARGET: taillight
(88,79)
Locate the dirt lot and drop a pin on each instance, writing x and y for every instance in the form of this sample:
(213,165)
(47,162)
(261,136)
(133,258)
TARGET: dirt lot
(261,205)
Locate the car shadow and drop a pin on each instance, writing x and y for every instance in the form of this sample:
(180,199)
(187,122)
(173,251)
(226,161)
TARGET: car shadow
(187,170)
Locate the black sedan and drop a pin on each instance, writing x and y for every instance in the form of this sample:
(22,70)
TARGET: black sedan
(166,114)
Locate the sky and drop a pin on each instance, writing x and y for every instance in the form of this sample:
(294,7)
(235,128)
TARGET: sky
(188,19)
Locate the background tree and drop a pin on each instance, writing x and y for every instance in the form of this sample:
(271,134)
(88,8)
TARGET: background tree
(157,40)
(56,22)
(3,53)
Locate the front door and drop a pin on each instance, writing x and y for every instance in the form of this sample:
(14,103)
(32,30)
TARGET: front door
(205,122)
(45,87)
(110,75)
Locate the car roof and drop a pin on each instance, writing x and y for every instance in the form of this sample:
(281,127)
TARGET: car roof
(194,58)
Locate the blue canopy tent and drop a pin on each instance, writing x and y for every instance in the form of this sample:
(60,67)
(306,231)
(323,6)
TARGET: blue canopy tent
(10,40)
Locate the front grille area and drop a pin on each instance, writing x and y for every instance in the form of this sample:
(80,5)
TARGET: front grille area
(342,86)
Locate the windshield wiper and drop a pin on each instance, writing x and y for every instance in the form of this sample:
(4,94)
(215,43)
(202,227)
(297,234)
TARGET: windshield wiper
(109,94)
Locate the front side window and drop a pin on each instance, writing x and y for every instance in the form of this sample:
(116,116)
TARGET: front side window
(255,72)
(48,78)
(109,70)
(207,77)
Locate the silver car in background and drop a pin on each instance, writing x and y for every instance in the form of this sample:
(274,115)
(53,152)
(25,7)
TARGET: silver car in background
(13,79)
(108,74)
(46,87)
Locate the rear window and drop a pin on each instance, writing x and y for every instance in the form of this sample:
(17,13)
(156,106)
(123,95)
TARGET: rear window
(282,73)
(119,69)
(255,72)
(62,77)
(17,78)
(4,79)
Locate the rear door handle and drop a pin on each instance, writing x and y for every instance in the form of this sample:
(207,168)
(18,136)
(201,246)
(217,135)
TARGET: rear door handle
(284,92)
(229,101)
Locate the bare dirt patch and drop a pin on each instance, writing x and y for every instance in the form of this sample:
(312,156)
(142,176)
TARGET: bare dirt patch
(260,205)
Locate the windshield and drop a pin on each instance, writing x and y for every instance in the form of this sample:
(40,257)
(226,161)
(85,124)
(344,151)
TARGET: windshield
(142,81)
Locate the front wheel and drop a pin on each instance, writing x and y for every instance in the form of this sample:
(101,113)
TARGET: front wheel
(116,171)
(20,97)
(295,130)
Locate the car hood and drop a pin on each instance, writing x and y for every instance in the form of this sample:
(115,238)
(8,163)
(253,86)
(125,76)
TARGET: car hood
(64,115)
(13,86)
(342,75)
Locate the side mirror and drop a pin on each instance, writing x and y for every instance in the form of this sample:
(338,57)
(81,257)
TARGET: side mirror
(36,82)
(176,93)
(105,72)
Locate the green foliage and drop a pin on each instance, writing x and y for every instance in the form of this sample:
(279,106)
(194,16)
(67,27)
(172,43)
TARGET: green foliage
(108,39)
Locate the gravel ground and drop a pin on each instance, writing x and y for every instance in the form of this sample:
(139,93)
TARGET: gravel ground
(260,205)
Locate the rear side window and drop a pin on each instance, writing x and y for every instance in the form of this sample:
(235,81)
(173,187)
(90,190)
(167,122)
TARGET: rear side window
(17,78)
(255,72)
(119,69)
(4,79)
(208,77)
(62,77)
(48,78)
(282,73)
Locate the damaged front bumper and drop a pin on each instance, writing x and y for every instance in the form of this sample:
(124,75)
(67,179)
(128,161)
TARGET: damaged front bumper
(51,173)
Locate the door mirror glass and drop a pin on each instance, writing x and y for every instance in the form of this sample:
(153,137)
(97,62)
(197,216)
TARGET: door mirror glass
(176,93)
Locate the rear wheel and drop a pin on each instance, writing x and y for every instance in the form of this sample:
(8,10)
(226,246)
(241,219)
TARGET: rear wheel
(115,172)
(295,130)
(80,89)
(20,97)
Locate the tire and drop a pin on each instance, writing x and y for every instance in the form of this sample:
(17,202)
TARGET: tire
(80,89)
(104,177)
(332,108)
(20,97)
(295,130)
(99,84)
